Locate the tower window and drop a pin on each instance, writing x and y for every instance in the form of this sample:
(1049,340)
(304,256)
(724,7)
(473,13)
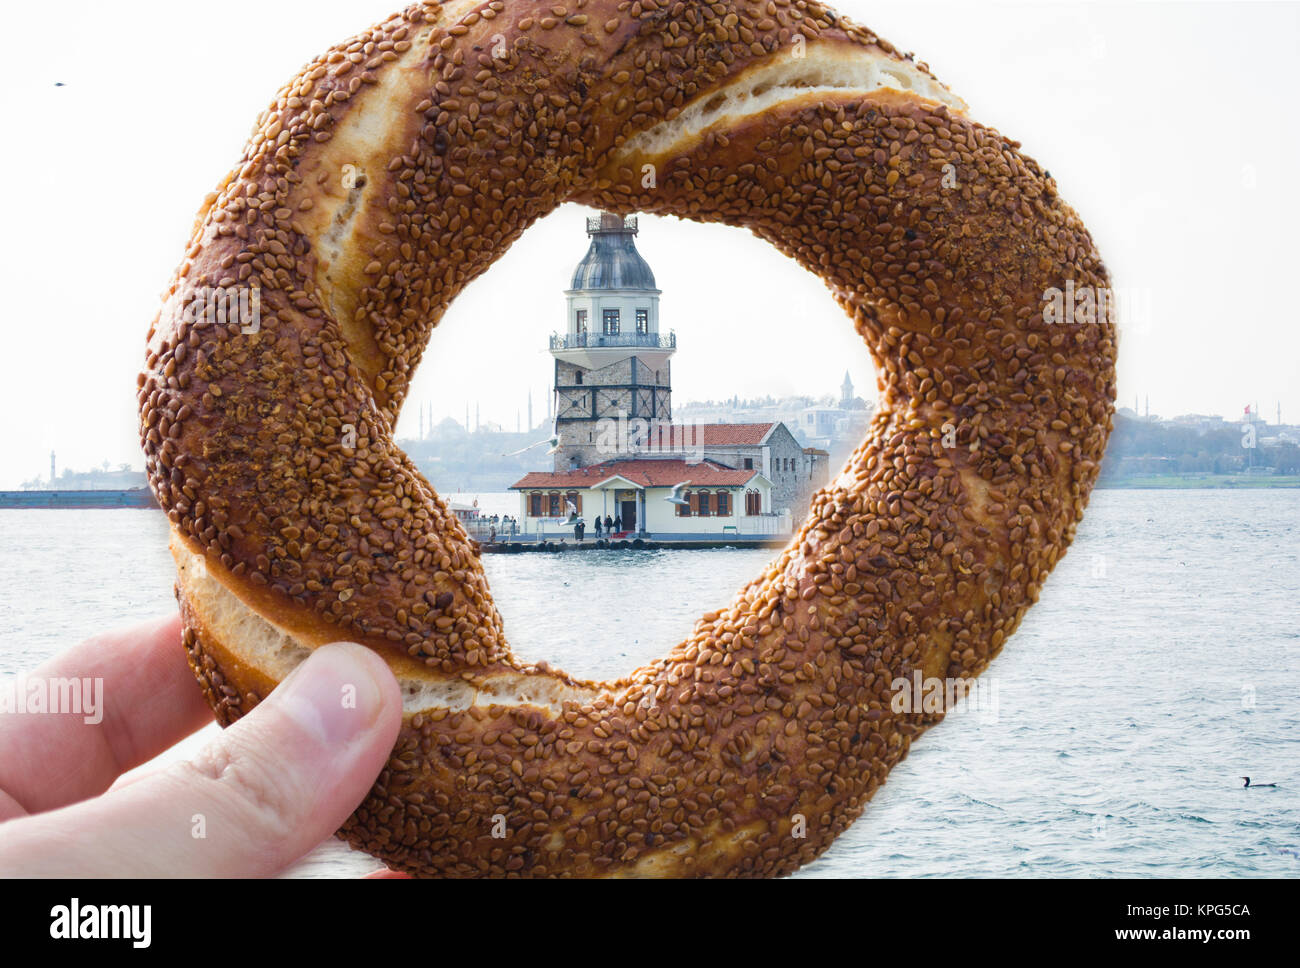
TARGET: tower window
(611,322)
(582,321)
(643,320)
(577,377)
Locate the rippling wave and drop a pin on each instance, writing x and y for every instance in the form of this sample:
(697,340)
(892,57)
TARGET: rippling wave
(1158,667)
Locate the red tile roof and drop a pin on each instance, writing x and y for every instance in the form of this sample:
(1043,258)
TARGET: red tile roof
(644,473)
(712,435)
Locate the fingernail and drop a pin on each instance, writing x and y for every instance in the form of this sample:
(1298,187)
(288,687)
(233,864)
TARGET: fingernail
(333,694)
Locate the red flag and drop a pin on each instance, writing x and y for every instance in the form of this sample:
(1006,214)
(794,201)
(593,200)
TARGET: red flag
(1248,410)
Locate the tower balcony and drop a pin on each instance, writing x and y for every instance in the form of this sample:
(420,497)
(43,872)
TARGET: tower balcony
(609,222)
(586,341)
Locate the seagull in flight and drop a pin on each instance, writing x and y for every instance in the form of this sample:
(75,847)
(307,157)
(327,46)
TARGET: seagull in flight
(676,496)
(573,513)
(553,440)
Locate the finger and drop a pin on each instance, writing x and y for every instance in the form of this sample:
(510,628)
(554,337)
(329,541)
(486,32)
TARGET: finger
(133,696)
(265,792)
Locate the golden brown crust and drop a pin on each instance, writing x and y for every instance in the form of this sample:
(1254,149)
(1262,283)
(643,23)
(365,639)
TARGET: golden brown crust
(397,168)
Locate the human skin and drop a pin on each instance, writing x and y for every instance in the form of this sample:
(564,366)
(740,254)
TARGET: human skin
(268,789)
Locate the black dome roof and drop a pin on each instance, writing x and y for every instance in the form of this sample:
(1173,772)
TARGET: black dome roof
(613,262)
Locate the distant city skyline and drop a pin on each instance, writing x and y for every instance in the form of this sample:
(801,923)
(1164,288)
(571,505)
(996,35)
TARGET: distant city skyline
(486,427)
(1199,241)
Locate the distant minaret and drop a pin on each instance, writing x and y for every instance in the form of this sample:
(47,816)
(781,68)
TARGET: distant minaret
(518,420)
(846,392)
(478,417)
(530,409)
(51,469)
(467,427)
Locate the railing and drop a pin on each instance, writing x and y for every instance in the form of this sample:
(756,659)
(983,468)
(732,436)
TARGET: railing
(583,341)
(482,529)
(595,223)
(778,523)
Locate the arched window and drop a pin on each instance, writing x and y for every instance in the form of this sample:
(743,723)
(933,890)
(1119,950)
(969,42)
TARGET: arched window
(577,378)
(724,504)
(553,505)
(535,504)
(705,504)
(582,322)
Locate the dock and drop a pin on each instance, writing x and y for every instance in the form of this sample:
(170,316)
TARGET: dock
(648,543)
(140,497)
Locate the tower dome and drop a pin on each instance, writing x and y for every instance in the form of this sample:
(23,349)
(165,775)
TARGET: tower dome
(612,261)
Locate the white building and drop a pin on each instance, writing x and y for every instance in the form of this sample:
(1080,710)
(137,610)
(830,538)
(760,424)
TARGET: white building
(632,497)
(829,427)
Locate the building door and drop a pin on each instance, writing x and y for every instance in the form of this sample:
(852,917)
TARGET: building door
(627,511)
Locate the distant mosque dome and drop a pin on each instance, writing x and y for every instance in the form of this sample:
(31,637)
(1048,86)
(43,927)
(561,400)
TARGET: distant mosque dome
(613,262)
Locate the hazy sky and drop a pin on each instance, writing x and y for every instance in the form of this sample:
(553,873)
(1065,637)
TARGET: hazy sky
(1170,127)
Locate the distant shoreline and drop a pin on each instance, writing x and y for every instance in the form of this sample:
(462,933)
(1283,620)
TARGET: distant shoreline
(1216,482)
(111,500)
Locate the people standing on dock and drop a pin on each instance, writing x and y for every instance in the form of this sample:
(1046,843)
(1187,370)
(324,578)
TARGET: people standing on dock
(609,525)
(618,522)
(599,526)
(579,530)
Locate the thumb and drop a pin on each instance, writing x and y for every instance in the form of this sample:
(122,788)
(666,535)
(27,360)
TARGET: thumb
(265,792)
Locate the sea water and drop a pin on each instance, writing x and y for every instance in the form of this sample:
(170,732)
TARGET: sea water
(1161,664)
